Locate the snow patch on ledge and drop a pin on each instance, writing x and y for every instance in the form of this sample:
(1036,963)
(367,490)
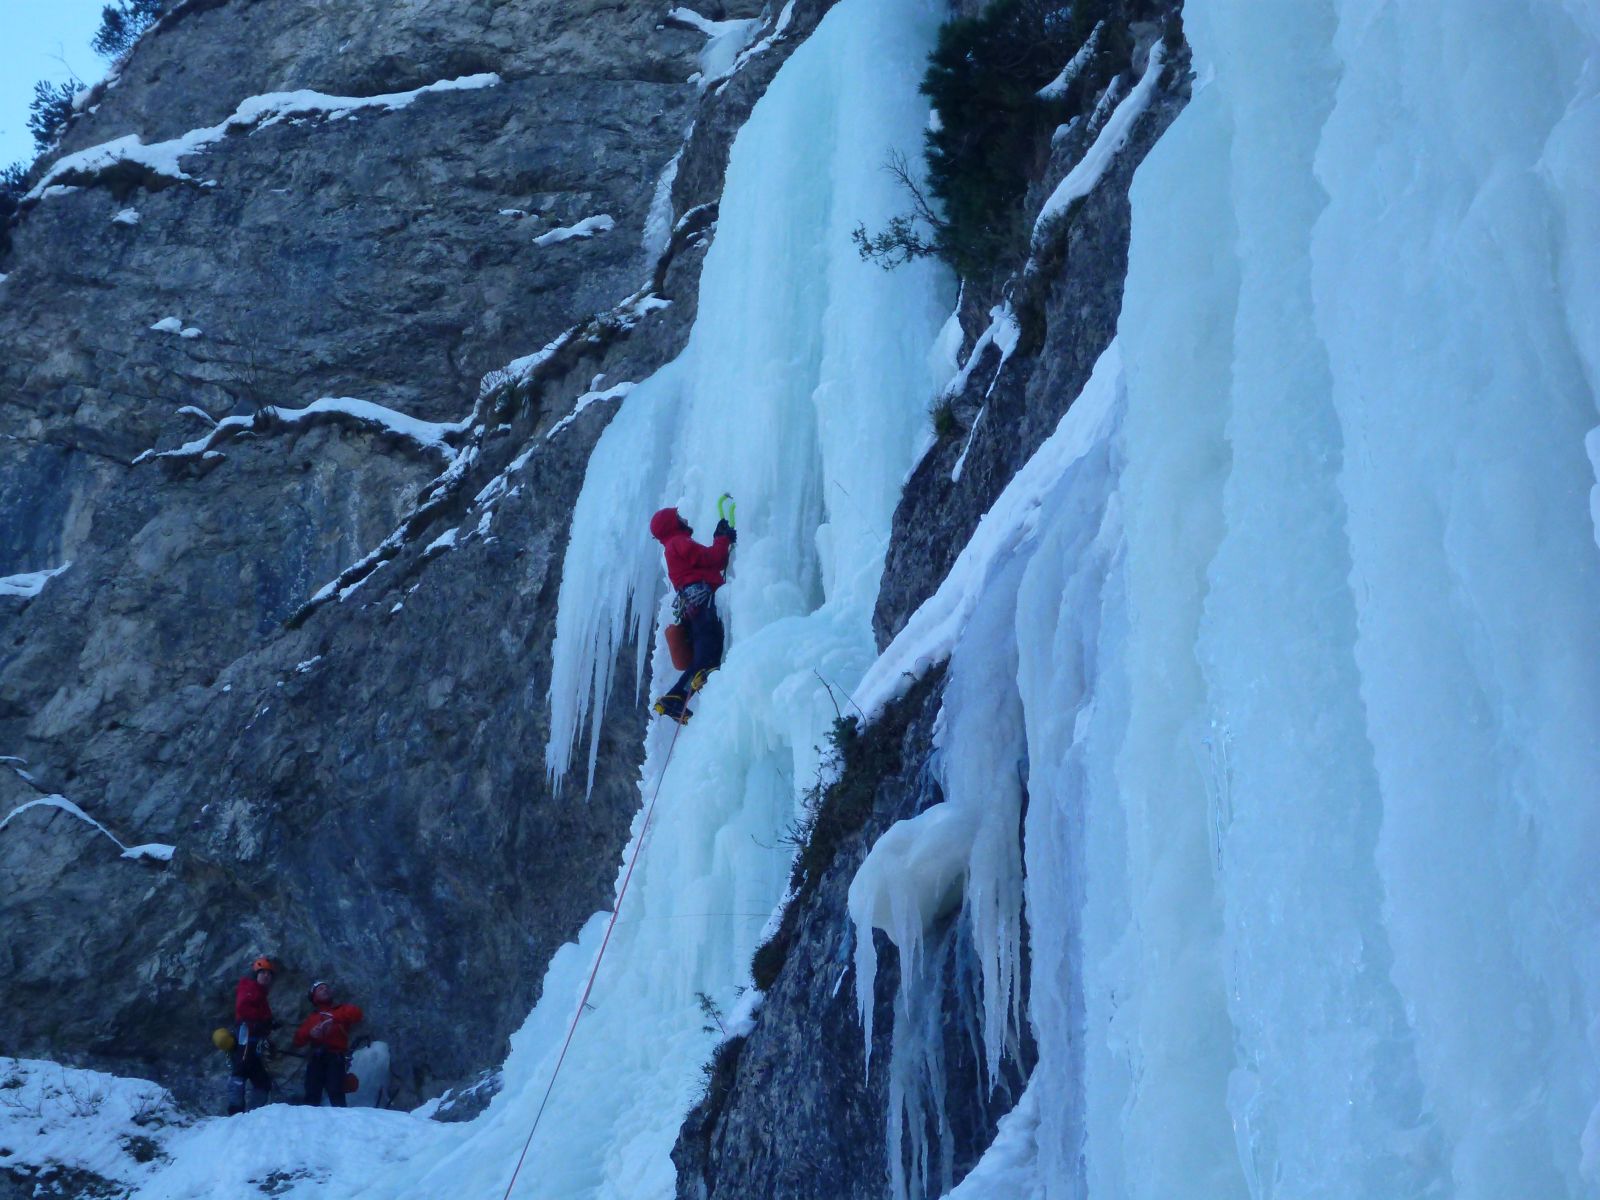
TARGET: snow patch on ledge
(31,583)
(159,851)
(586,228)
(742,1020)
(174,325)
(191,410)
(1081,179)
(445,541)
(1004,334)
(432,436)
(780,30)
(961,461)
(658,221)
(616,392)
(1058,86)
(725,42)
(936,626)
(163,160)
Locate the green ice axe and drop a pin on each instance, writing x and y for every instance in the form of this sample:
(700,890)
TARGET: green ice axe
(725,508)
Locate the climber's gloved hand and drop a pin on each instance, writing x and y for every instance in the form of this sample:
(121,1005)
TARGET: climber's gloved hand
(725,530)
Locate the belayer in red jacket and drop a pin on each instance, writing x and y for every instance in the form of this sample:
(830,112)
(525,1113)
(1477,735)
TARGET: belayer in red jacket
(696,574)
(327,1030)
(253,1021)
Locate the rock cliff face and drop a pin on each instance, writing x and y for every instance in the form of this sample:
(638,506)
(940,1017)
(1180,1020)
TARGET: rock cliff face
(790,1110)
(352,777)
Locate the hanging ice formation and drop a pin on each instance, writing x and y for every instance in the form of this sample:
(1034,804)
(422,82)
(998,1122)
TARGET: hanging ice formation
(1302,597)
(804,391)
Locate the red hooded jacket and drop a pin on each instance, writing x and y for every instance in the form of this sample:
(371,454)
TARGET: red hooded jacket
(687,560)
(335,1032)
(250,1002)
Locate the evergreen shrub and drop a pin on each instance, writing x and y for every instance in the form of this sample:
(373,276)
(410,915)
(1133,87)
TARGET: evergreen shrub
(991,132)
(122,23)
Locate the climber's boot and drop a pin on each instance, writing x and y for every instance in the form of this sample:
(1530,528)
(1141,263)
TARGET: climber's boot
(673,707)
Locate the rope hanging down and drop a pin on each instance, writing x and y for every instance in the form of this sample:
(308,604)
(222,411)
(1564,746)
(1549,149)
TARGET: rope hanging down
(588,987)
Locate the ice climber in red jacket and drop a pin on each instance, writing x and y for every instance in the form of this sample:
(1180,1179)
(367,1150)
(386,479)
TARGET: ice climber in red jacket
(253,1019)
(327,1030)
(696,574)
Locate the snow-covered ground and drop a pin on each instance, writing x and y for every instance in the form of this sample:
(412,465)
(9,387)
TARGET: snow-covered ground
(58,1121)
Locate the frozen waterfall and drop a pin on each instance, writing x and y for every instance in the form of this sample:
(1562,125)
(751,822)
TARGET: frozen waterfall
(1307,648)
(804,392)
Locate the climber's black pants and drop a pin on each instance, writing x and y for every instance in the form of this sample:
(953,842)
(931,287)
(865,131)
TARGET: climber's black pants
(325,1073)
(705,631)
(249,1085)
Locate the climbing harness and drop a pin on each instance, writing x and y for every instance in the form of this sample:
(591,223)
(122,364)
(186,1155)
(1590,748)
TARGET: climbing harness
(688,603)
(583,1001)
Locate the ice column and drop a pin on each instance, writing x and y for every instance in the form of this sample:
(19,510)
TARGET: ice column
(1463,385)
(1311,737)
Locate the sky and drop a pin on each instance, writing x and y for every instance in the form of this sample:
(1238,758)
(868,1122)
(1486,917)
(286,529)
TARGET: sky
(41,39)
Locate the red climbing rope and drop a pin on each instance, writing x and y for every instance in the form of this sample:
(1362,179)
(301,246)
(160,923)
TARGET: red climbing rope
(583,1001)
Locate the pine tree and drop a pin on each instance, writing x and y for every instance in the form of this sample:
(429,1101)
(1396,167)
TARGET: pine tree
(983,79)
(48,111)
(993,128)
(122,23)
(13,184)
(13,181)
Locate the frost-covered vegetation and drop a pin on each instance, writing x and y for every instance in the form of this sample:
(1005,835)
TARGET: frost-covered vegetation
(998,89)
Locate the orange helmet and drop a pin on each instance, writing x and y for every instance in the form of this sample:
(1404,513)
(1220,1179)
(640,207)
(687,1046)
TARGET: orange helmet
(263,964)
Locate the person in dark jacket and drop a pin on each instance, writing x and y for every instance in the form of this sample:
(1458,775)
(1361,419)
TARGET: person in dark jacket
(252,1015)
(696,574)
(327,1030)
